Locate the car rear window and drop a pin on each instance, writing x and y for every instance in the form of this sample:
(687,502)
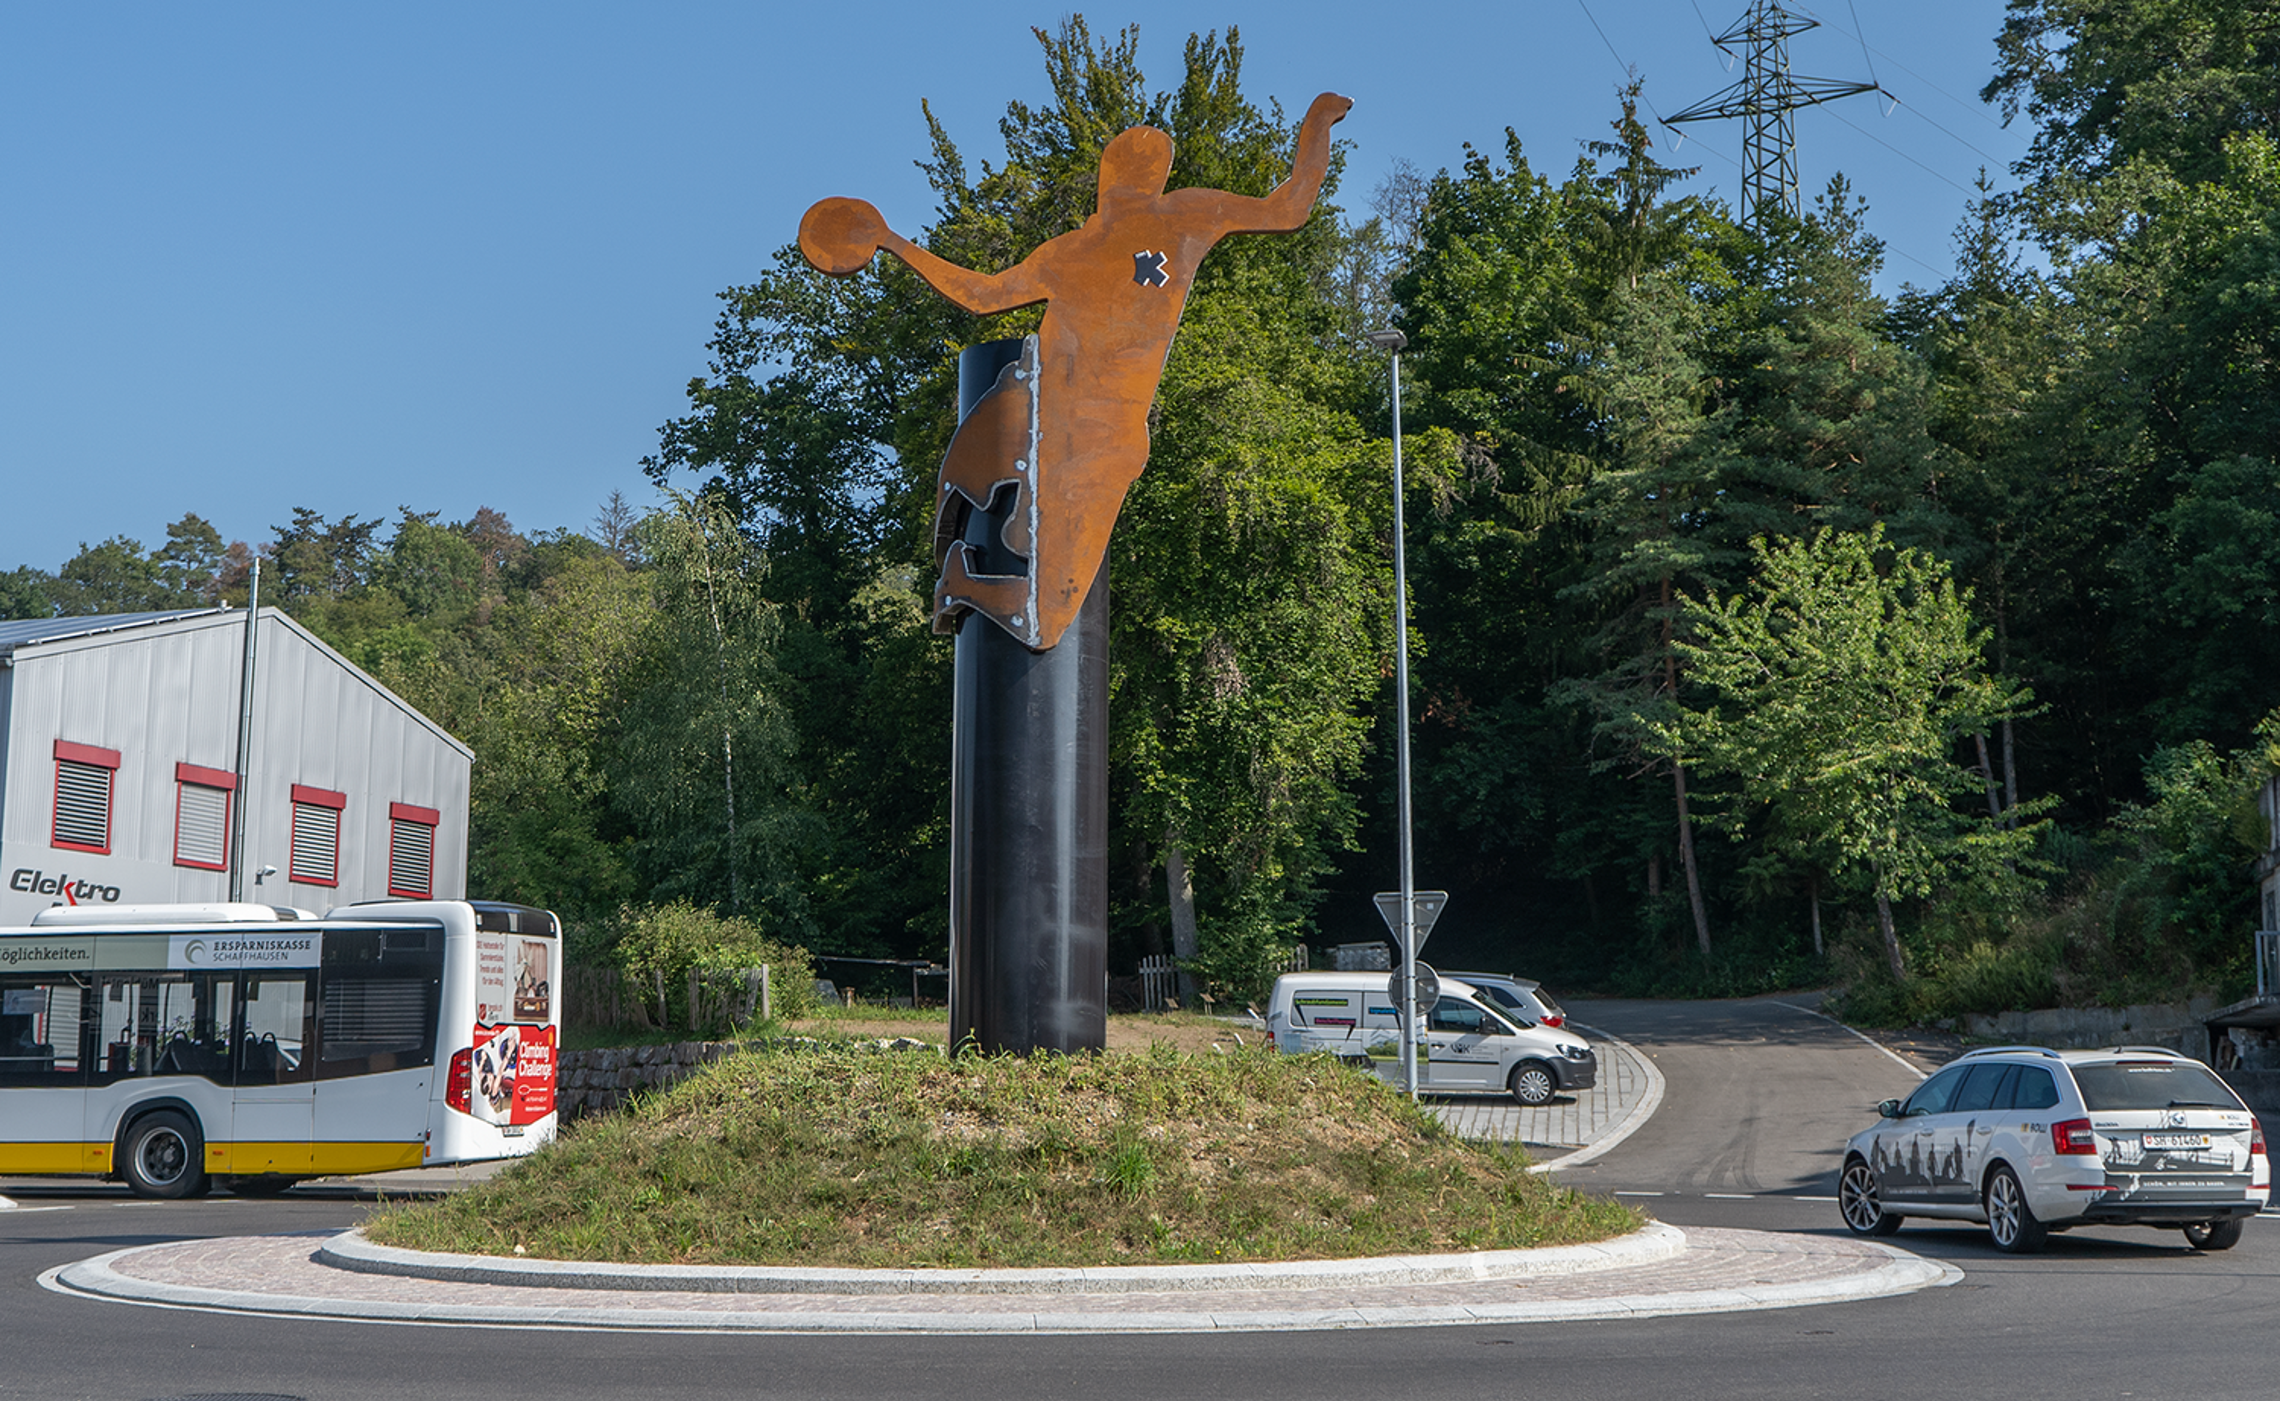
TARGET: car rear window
(2034,1089)
(2151,1084)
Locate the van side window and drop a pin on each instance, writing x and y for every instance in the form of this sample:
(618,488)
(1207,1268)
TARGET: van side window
(1456,1015)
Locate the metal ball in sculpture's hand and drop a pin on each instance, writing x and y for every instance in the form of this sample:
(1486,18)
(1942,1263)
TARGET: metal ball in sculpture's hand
(840,235)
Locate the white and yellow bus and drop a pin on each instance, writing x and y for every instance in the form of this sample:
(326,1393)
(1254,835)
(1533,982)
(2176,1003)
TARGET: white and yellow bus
(168,1045)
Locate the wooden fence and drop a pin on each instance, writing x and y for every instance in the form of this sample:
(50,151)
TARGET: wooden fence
(612,999)
(1160,977)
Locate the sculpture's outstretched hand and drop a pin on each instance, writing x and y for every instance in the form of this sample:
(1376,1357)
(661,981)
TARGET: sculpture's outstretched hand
(1328,109)
(840,235)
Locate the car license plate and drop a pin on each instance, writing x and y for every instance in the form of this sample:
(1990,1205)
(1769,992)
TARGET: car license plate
(2176,1140)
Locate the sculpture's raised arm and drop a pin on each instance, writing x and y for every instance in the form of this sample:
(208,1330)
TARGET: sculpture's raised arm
(1293,200)
(839,236)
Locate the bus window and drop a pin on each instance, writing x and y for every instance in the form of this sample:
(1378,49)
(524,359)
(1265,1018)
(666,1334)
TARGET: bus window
(276,1030)
(40,1019)
(374,1024)
(381,990)
(164,1024)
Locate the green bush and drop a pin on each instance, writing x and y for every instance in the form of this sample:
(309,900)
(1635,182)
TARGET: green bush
(2157,908)
(665,943)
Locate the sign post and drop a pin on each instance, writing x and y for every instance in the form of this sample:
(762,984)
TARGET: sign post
(1411,914)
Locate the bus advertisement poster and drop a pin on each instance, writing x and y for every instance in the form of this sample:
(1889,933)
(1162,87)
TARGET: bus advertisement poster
(514,1074)
(490,979)
(534,979)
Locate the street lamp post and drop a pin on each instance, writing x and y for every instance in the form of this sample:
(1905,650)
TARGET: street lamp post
(1394,342)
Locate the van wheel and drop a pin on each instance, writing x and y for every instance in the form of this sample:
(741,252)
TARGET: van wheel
(165,1157)
(1532,1083)
(2214,1235)
(2011,1223)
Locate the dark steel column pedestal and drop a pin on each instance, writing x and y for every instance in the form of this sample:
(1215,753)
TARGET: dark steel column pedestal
(1028,810)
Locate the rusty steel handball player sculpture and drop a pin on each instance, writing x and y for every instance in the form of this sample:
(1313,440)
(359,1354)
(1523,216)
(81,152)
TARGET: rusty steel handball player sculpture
(1066,428)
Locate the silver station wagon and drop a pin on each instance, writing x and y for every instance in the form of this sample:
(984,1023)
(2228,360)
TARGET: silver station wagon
(2032,1141)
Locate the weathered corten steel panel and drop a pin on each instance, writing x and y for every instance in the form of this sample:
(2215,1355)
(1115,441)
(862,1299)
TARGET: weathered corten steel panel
(1074,437)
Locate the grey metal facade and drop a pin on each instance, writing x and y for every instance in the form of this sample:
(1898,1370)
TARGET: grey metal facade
(154,699)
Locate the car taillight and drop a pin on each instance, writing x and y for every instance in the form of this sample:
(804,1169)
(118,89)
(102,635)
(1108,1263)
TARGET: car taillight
(1555,1019)
(2255,1138)
(2073,1136)
(458,1084)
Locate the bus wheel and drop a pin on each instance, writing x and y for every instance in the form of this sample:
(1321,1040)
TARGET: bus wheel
(165,1156)
(265,1185)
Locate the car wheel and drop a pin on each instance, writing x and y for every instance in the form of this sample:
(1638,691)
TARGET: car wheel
(2011,1223)
(1532,1083)
(164,1157)
(1857,1199)
(2214,1235)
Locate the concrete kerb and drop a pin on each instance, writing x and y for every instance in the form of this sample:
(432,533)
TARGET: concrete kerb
(1899,1272)
(1630,1123)
(352,1252)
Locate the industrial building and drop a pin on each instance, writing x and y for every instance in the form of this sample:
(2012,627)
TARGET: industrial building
(126,778)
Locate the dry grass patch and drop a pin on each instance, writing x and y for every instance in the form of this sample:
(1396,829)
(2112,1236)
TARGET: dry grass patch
(838,1155)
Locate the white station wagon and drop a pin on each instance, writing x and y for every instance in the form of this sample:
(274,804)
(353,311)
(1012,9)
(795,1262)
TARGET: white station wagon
(2032,1141)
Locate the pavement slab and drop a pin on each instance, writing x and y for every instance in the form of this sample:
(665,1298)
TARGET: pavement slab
(1695,1271)
(1574,1123)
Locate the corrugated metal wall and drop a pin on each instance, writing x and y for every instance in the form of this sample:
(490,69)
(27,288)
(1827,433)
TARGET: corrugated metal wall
(167,694)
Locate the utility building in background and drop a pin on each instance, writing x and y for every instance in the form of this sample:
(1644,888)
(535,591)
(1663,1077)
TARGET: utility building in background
(123,770)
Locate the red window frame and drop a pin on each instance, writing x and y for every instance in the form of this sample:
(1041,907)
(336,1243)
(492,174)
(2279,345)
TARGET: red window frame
(192,776)
(321,798)
(94,756)
(429,818)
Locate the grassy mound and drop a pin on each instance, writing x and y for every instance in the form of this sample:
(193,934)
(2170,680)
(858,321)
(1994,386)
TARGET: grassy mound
(860,1157)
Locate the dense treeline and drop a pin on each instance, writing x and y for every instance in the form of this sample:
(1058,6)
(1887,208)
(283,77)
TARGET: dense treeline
(1765,629)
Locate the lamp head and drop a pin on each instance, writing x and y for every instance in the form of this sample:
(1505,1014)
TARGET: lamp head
(1388,339)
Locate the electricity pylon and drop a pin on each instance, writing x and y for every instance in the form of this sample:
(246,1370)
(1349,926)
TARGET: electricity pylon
(1763,99)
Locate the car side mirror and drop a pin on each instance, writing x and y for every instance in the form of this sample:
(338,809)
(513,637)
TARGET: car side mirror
(1889,1109)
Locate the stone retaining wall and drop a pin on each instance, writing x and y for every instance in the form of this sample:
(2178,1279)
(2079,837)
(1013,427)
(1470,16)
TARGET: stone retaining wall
(2177,1027)
(604,1079)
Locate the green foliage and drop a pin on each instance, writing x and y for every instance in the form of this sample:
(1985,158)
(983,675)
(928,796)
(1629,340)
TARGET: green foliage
(656,944)
(1842,685)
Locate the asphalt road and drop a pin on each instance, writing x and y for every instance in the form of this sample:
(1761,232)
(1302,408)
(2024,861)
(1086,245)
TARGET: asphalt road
(1758,1099)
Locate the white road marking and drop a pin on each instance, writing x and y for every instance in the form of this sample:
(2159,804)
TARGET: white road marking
(1879,1045)
(1632,1123)
(1621,1193)
(1733,1196)
(1813,1199)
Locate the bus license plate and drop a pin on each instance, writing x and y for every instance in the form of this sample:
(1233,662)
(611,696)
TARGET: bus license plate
(511,1130)
(2176,1140)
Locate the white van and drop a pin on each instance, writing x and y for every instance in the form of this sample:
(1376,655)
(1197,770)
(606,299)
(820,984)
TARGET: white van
(1469,1045)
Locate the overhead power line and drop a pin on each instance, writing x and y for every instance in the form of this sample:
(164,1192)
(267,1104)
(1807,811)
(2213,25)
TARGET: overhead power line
(1628,71)
(1764,100)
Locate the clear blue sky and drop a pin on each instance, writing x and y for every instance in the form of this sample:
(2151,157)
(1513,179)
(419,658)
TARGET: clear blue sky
(357,257)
